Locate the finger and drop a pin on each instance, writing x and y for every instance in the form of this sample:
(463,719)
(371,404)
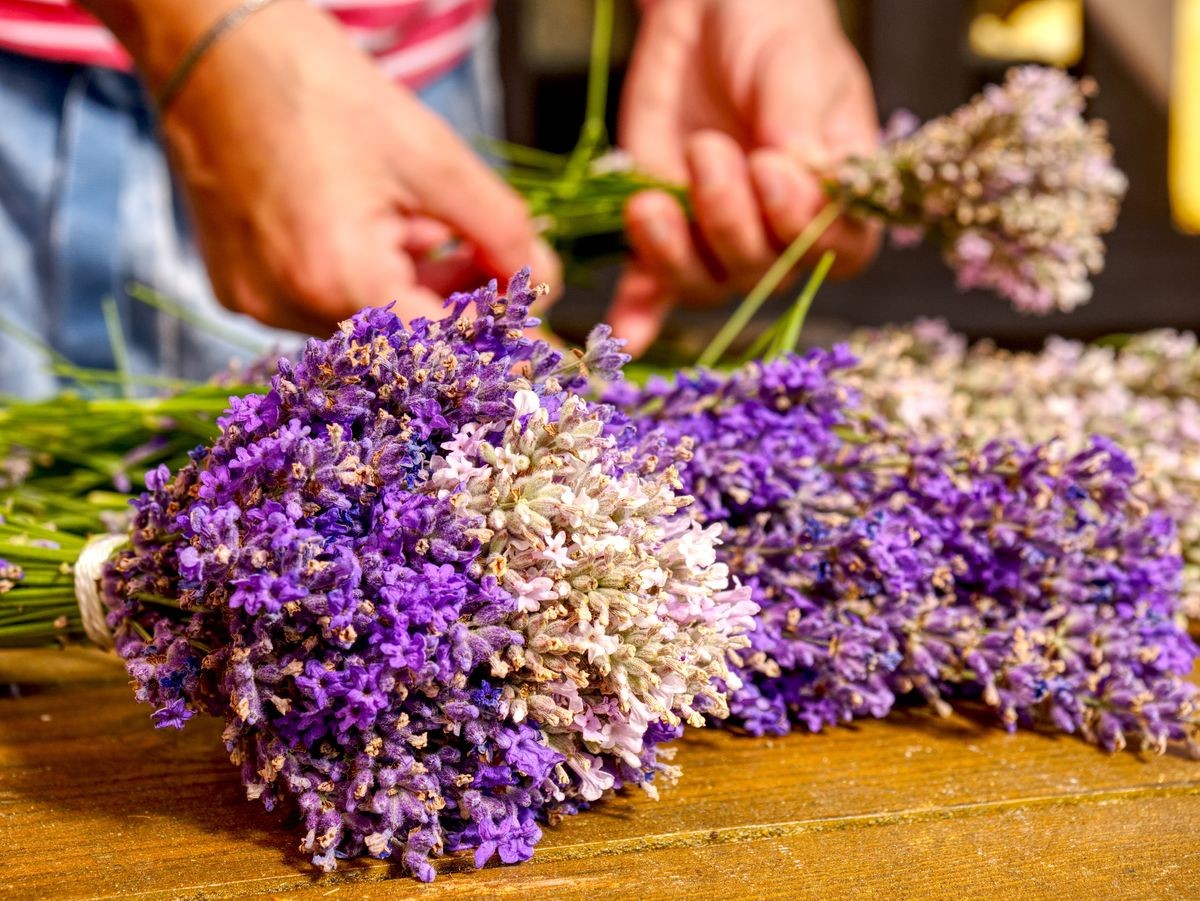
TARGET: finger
(648,124)
(245,293)
(358,267)
(451,270)
(377,275)
(854,241)
(662,242)
(243,285)
(725,206)
(445,264)
(459,189)
(791,197)
(640,305)
(851,126)
(427,237)
(852,129)
(788,108)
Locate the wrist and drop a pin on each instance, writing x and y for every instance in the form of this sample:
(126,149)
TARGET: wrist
(158,34)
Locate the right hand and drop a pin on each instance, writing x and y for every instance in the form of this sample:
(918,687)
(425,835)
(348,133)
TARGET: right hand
(780,96)
(319,187)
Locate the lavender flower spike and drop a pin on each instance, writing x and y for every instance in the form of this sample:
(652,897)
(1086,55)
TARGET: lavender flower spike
(1016,187)
(1143,394)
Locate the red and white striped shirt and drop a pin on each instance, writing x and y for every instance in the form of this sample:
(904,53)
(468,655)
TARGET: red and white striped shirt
(413,41)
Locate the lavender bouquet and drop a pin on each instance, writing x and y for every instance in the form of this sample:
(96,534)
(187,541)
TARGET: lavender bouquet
(1144,393)
(1015,186)
(433,599)
(1028,578)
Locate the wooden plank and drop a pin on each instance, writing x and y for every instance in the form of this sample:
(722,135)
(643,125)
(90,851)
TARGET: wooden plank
(95,802)
(39,667)
(1143,848)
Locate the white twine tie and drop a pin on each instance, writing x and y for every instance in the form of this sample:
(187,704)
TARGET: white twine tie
(89,570)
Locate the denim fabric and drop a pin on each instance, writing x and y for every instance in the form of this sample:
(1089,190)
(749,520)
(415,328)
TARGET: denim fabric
(88,206)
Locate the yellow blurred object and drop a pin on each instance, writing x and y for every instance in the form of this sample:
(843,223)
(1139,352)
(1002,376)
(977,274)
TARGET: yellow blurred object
(1183,171)
(1045,31)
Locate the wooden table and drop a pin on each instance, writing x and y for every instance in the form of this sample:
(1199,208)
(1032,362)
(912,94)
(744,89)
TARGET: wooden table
(96,803)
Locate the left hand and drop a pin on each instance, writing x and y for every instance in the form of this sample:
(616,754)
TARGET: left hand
(744,101)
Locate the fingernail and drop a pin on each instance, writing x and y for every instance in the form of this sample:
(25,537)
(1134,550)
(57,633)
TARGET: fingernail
(656,231)
(812,155)
(773,184)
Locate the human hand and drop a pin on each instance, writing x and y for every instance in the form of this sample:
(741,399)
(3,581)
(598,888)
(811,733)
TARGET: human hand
(744,101)
(318,187)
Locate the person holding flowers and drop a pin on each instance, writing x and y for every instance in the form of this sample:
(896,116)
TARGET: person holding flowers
(314,151)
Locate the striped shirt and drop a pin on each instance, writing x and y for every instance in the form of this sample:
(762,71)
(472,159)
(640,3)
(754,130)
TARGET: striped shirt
(413,41)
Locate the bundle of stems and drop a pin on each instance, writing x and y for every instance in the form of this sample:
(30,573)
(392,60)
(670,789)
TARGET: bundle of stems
(580,194)
(68,466)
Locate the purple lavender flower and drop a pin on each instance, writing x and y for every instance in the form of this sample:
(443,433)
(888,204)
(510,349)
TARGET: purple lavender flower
(431,598)
(1027,578)
(1015,186)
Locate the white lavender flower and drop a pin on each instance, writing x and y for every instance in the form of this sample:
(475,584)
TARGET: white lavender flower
(628,618)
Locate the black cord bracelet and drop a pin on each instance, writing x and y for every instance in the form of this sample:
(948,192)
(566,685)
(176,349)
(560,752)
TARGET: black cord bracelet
(226,23)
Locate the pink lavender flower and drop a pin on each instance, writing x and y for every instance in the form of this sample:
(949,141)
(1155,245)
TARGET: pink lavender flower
(432,600)
(887,565)
(1016,187)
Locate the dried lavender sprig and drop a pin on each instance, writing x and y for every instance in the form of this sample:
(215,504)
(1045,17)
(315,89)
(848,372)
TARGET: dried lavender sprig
(1024,577)
(1015,186)
(1144,394)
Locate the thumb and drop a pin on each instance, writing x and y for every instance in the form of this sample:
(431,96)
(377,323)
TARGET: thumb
(789,109)
(459,189)
(640,305)
(388,276)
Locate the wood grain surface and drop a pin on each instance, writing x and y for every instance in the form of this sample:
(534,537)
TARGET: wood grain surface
(94,802)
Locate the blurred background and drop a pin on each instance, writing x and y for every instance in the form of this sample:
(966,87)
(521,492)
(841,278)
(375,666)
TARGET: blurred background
(930,56)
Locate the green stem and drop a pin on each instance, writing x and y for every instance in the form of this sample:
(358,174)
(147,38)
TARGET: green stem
(83,374)
(794,323)
(10,328)
(593,134)
(116,338)
(17,553)
(160,302)
(767,284)
(148,598)
(37,634)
